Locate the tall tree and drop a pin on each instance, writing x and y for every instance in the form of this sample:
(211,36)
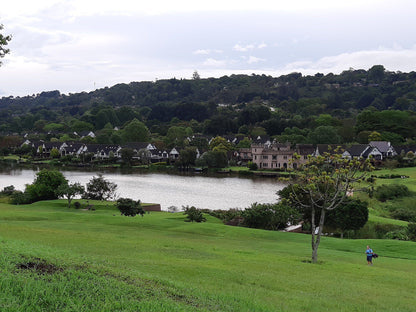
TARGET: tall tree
(135,131)
(323,185)
(45,185)
(100,189)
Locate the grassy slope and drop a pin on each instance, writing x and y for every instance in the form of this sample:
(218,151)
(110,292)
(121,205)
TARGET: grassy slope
(161,263)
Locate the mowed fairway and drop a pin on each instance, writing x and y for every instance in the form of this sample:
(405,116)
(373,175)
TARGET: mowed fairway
(101,261)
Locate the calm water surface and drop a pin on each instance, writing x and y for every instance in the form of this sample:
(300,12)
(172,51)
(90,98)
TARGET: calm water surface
(170,190)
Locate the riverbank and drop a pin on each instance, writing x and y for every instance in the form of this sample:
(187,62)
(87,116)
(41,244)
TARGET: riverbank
(16,162)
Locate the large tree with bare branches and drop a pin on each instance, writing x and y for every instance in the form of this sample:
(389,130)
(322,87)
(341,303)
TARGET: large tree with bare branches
(322,185)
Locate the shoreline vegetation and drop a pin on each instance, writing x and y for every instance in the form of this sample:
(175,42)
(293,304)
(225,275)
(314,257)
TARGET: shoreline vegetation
(16,162)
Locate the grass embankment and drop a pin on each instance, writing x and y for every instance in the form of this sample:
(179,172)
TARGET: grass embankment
(379,211)
(59,259)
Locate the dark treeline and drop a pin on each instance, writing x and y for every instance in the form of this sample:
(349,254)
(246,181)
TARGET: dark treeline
(350,107)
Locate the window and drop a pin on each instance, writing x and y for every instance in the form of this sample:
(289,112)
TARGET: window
(274,157)
(265,157)
(285,157)
(265,165)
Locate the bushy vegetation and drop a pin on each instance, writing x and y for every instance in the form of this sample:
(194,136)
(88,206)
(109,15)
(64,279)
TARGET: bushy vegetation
(404,213)
(8,190)
(385,192)
(226,215)
(129,207)
(99,188)
(411,231)
(270,216)
(193,214)
(46,186)
(352,214)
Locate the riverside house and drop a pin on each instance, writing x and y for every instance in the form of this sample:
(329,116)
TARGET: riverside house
(280,155)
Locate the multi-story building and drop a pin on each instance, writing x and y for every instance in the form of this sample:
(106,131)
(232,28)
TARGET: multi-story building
(280,155)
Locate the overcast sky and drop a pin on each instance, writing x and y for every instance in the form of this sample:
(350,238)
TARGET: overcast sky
(82,45)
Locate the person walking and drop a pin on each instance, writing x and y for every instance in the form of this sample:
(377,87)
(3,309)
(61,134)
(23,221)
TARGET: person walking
(369,252)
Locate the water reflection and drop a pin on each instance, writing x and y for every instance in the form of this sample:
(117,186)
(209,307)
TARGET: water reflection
(170,190)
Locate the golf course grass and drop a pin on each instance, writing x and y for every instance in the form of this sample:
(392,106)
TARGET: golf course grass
(57,259)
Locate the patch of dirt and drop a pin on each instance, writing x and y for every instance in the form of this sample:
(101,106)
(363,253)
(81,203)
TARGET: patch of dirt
(39,266)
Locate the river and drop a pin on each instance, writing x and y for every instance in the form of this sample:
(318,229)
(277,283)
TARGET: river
(221,192)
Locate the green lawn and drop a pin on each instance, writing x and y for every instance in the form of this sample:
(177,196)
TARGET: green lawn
(410,182)
(59,259)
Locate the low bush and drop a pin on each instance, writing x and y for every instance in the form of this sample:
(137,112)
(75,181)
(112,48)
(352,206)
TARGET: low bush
(385,192)
(129,207)
(8,190)
(378,231)
(225,215)
(405,214)
(252,166)
(400,234)
(20,198)
(391,176)
(193,214)
(77,205)
(270,216)
(383,229)
(411,231)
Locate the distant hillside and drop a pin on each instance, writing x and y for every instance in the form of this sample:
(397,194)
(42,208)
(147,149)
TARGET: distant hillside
(230,104)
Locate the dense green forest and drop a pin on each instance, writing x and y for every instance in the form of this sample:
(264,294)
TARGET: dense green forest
(354,106)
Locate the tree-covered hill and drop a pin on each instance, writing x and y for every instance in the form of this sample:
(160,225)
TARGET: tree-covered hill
(316,109)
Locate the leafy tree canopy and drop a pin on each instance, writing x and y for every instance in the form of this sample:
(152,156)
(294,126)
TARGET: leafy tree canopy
(135,131)
(45,185)
(129,207)
(322,185)
(99,188)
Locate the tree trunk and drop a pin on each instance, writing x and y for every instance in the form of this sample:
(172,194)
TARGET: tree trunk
(313,229)
(316,238)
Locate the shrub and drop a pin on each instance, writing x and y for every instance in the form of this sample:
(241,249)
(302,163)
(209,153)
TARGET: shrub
(77,205)
(405,214)
(352,214)
(8,190)
(382,229)
(194,214)
(386,192)
(173,209)
(391,176)
(129,207)
(252,166)
(20,198)
(270,216)
(400,234)
(225,215)
(411,231)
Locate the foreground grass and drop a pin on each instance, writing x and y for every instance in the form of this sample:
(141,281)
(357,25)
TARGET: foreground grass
(58,259)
